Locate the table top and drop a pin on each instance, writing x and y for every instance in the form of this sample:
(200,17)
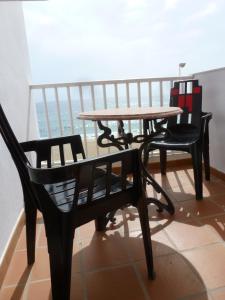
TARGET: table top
(131,113)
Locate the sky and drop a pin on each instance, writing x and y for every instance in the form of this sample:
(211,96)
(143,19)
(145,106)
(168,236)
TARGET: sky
(79,40)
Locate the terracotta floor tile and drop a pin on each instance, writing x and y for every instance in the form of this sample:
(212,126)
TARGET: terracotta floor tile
(217,224)
(152,193)
(213,188)
(128,221)
(39,215)
(188,233)
(175,278)
(12,293)
(220,200)
(209,263)
(182,193)
(119,283)
(18,271)
(76,259)
(42,240)
(41,269)
(40,290)
(87,231)
(174,178)
(166,181)
(201,296)
(160,244)
(77,288)
(155,216)
(218,294)
(21,244)
(194,208)
(109,251)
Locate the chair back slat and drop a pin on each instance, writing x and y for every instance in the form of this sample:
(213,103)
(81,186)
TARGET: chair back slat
(124,173)
(108,179)
(188,96)
(62,157)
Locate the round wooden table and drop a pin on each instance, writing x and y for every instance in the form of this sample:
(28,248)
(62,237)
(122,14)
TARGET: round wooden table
(146,114)
(131,113)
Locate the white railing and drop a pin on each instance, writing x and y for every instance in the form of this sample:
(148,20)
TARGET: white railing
(58,105)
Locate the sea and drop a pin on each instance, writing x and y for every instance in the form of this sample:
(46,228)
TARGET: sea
(78,125)
(66,122)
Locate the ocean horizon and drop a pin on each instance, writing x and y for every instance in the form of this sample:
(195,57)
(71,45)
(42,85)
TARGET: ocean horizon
(78,124)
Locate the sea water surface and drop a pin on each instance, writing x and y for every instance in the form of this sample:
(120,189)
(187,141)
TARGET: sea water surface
(63,115)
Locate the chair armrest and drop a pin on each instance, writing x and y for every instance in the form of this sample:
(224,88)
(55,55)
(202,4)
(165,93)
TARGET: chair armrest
(204,133)
(206,115)
(68,172)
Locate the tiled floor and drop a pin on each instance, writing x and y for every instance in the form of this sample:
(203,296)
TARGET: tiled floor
(189,252)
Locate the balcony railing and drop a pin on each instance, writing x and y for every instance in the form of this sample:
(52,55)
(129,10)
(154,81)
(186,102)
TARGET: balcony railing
(58,105)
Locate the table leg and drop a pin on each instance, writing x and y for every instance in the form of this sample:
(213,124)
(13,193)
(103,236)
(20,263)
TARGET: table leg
(124,141)
(107,135)
(148,179)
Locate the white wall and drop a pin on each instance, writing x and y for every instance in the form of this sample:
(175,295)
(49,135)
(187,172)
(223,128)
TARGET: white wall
(14,92)
(213,83)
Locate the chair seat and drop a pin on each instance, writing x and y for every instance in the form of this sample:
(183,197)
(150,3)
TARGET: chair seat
(62,193)
(178,137)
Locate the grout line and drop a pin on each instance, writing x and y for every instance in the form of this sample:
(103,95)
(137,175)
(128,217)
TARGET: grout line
(82,272)
(211,216)
(193,296)
(133,263)
(140,281)
(203,246)
(169,238)
(41,227)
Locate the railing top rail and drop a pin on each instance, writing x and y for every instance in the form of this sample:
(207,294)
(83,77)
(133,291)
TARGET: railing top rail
(98,82)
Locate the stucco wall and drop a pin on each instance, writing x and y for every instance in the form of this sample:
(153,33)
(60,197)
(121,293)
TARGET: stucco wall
(213,83)
(14,92)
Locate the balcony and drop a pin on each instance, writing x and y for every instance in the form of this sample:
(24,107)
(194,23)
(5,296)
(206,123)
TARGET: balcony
(189,249)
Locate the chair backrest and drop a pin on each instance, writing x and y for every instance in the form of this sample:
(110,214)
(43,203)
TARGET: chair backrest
(188,96)
(18,156)
(43,149)
(86,173)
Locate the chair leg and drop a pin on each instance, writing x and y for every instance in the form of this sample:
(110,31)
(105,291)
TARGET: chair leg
(100,223)
(196,153)
(163,159)
(146,155)
(31,217)
(146,150)
(60,256)
(206,161)
(144,220)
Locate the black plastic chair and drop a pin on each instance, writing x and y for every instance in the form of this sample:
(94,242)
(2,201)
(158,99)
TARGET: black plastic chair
(188,132)
(71,195)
